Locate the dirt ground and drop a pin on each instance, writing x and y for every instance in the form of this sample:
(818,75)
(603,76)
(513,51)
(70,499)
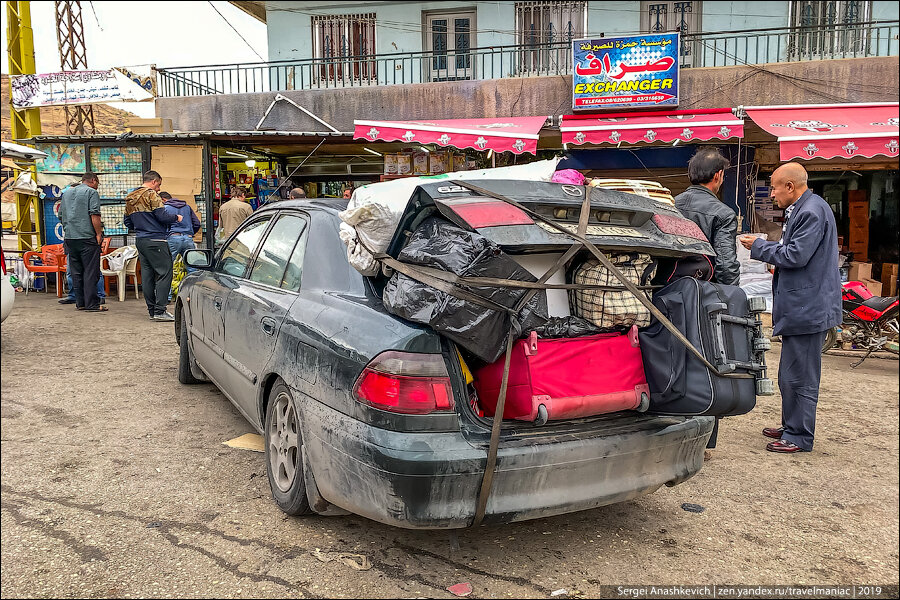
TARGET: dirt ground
(115,483)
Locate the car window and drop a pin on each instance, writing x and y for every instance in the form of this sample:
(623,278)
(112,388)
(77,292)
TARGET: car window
(291,280)
(237,254)
(276,250)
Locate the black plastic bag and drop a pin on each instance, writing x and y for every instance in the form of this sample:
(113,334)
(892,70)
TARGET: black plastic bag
(480,330)
(567,327)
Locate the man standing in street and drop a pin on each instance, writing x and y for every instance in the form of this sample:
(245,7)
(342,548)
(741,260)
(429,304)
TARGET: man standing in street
(146,214)
(181,232)
(700,204)
(297,193)
(79,213)
(233,213)
(807,301)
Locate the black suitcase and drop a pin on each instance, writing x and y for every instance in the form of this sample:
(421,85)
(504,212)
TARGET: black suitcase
(719,322)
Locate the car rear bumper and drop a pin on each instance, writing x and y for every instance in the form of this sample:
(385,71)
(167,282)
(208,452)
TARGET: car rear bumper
(431,480)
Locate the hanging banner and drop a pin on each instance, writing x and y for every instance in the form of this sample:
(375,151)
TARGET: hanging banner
(79,87)
(638,71)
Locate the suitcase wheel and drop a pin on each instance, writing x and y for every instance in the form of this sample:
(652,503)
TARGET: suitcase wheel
(542,416)
(645,403)
(757,304)
(765,387)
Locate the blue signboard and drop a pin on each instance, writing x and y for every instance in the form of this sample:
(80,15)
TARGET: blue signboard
(638,71)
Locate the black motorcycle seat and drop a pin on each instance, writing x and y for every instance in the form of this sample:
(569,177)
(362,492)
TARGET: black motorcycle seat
(879,303)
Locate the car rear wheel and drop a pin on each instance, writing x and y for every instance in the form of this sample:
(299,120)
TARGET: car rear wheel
(185,356)
(284,452)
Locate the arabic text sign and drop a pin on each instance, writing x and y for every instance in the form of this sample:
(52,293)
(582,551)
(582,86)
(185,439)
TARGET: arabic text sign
(627,72)
(74,87)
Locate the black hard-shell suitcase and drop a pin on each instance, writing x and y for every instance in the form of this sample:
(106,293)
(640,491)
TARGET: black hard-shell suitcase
(718,320)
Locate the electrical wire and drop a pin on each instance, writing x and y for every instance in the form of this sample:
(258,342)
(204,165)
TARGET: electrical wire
(94,10)
(236,31)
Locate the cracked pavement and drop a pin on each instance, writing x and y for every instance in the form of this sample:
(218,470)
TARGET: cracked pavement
(115,483)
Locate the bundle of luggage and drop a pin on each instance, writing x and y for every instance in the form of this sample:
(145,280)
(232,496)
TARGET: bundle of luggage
(606,354)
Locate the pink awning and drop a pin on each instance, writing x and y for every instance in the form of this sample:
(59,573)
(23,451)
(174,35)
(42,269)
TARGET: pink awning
(832,130)
(505,134)
(631,128)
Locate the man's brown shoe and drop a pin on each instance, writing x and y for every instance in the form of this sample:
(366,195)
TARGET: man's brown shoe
(773,432)
(784,446)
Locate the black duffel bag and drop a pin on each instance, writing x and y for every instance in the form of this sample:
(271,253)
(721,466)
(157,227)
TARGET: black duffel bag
(717,319)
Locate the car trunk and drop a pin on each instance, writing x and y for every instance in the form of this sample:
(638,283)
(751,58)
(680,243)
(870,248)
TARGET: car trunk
(618,223)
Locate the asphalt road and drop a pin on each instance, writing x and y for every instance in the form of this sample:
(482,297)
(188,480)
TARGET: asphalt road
(116,483)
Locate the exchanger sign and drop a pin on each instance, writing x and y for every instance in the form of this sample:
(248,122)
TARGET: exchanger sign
(628,72)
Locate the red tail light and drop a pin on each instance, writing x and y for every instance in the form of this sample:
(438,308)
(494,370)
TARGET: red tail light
(406,383)
(3,261)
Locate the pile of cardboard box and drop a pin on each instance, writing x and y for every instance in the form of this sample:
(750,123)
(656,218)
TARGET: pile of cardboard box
(862,272)
(417,162)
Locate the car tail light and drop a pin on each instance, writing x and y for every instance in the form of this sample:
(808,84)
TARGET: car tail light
(3,261)
(679,226)
(488,213)
(406,383)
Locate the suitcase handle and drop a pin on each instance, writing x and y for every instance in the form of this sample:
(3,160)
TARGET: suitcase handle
(723,363)
(531,347)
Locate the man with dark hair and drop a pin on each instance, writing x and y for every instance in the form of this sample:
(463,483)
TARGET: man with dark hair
(79,214)
(699,203)
(233,213)
(807,301)
(148,217)
(297,193)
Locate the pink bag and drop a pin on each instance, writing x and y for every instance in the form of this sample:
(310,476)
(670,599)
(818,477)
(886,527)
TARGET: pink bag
(568,176)
(569,377)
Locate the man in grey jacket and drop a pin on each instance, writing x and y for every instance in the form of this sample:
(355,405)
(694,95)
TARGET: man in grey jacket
(699,203)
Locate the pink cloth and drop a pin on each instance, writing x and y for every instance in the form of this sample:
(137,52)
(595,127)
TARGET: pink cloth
(568,176)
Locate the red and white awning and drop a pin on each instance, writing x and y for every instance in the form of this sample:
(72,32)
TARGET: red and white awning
(631,128)
(832,130)
(507,134)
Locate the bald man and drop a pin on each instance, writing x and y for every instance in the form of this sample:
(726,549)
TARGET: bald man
(807,301)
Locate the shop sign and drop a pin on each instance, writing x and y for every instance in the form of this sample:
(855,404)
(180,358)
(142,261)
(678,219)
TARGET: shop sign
(78,87)
(627,72)
(217,186)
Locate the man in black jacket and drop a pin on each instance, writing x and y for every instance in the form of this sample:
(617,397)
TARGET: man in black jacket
(699,203)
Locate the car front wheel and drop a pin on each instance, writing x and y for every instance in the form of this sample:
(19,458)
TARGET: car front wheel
(284,458)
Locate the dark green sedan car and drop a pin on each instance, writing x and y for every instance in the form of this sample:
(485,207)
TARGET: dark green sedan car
(366,413)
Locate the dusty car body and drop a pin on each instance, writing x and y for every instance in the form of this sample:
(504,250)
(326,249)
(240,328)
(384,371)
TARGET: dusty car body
(298,340)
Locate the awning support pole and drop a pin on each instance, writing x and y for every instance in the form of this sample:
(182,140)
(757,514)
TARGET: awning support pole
(295,105)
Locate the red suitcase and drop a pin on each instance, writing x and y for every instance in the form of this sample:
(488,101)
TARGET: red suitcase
(567,378)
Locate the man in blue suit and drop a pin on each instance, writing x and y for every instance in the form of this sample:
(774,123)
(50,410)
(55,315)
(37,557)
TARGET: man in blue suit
(807,301)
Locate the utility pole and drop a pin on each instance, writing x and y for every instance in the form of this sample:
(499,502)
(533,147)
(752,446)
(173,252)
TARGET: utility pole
(73,57)
(25,123)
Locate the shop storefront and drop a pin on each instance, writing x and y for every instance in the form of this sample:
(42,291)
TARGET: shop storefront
(851,154)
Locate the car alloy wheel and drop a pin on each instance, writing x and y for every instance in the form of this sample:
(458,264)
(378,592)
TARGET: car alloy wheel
(284,442)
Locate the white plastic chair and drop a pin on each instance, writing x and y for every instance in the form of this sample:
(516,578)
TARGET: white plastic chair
(124,256)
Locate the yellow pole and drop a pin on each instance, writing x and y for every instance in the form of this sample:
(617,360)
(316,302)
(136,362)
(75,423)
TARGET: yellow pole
(25,123)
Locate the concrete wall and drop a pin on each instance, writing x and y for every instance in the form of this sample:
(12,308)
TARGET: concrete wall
(813,82)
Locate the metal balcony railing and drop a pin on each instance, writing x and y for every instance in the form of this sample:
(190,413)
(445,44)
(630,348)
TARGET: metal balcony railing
(728,48)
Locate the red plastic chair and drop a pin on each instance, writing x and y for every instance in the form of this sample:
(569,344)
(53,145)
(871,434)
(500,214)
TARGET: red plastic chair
(52,261)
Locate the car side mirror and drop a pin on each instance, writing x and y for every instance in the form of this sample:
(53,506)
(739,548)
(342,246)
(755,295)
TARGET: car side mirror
(198,259)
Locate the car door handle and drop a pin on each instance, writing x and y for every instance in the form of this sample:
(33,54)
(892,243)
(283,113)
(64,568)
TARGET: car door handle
(218,303)
(268,325)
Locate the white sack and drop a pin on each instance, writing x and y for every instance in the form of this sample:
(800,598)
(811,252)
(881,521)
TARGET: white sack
(758,284)
(374,210)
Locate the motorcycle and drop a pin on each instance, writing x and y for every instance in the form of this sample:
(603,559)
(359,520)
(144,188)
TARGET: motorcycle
(869,322)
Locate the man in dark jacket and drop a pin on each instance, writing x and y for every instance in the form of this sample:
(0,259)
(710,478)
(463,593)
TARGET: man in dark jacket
(699,203)
(181,233)
(807,301)
(146,214)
